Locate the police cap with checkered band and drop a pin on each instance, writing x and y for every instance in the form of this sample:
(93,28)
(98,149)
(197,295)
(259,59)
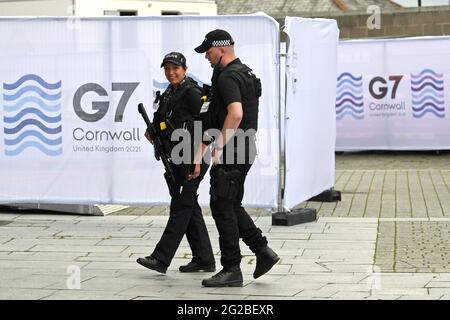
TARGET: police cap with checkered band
(215,38)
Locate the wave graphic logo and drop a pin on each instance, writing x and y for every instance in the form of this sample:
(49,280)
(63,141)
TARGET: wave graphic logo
(427,90)
(32,116)
(349,97)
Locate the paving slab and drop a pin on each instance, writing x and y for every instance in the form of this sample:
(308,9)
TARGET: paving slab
(387,239)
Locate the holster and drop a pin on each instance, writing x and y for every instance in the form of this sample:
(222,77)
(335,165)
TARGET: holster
(225,184)
(183,193)
(174,188)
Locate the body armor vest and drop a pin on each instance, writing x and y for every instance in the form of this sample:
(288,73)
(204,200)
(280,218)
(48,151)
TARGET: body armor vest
(169,106)
(251,90)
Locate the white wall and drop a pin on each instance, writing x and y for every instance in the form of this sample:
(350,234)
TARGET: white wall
(425,3)
(36,8)
(90,8)
(145,8)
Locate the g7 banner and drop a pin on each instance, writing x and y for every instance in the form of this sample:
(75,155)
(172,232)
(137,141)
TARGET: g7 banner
(70,128)
(393,94)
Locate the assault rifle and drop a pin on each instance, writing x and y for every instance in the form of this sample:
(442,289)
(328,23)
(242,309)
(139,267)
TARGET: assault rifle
(160,151)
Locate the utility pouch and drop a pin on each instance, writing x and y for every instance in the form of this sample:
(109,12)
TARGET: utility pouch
(227,184)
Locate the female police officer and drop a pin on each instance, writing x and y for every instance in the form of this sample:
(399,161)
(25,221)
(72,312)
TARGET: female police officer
(178,107)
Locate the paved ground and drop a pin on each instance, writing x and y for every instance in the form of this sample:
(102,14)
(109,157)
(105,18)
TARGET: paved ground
(389,238)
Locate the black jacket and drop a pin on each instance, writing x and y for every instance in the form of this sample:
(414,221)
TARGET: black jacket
(179,108)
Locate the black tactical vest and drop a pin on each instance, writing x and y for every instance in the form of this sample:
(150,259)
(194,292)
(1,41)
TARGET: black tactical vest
(170,110)
(250,87)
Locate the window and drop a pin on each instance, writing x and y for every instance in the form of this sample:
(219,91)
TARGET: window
(120,12)
(127,13)
(170,13)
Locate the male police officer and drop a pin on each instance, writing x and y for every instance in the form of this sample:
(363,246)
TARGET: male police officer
(178,107)
(234,105)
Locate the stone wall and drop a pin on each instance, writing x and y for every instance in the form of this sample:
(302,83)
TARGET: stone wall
(429,21)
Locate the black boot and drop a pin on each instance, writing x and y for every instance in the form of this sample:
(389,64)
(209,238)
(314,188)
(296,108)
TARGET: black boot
(152,263)
(225,278)
(265,260)
(196,267)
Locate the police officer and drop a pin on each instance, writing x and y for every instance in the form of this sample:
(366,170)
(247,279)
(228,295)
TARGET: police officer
(179,107)
(233,110)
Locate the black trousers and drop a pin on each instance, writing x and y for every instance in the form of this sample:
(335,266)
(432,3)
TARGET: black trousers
(232,221)
(185,218)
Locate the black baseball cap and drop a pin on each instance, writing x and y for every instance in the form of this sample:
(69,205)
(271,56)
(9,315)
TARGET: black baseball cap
(175,58)
(215,38)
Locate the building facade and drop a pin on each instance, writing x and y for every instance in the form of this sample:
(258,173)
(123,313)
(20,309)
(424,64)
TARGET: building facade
(90,8)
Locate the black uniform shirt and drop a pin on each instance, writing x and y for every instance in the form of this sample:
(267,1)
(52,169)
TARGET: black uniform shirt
(227,87)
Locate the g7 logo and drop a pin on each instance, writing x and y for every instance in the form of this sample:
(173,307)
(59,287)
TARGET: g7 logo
(383,90)
(103,106)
